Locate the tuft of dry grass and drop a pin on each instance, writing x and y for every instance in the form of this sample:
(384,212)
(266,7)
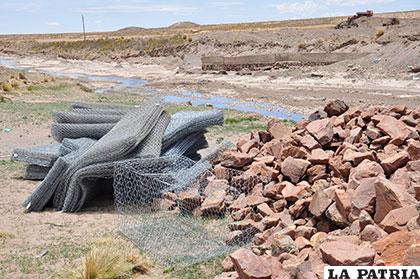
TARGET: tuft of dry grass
(379,33)
(156,43)
(302,46)
(22,76)
(14,84)
(109,259)
(6,86)
(5,234)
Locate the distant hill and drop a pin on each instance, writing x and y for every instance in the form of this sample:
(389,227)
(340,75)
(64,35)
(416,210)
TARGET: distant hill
(184,24)
(129,30)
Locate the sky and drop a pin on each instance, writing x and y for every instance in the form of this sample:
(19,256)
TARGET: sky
(47,16)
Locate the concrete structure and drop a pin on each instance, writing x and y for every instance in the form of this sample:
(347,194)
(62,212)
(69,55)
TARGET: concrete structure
(254,62)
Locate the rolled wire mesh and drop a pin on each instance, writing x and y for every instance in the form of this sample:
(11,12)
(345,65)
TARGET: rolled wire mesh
(44,155)
(59,131)
(116,145)
(123,139)
(35,172)
(78,105)
(46,190)
(70,145)
(184,123)
(194,151)
(83,186)
(75,117)
(101,111)
(90,150)
(169,209)
(194,141)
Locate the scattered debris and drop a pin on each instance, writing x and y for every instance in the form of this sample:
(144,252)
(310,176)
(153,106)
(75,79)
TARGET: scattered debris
(414,69)
(377,60)
(42,254)
(391,22)
(316,75)
(351,21)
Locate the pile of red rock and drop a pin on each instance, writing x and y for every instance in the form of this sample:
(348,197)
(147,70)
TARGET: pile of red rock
(341,189)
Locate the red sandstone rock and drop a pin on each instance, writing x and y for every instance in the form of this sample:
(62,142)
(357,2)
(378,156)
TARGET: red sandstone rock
(413,150)
(278,130)
(321,130)
(393,249)
(389,197)
(335,108)
(320,202)
(236,159)
(295,169)
(250,266)
(265,210)
(345,253)
(394,128)
(309,142)
(372,233)
(247,146)
(318,156)
(392,163)
(396,219)
(343,202)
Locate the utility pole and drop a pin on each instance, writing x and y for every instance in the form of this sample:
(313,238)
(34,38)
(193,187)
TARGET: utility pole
(84,30)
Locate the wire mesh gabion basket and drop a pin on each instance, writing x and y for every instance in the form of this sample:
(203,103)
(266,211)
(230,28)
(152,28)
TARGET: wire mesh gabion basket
(158,201)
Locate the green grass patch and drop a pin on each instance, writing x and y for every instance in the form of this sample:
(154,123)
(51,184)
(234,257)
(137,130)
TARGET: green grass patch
(241,124)
(55,87)
(288,122)
(27,264)
(8,165)
(236,121)
(65,250)
(22,112)
(34,263)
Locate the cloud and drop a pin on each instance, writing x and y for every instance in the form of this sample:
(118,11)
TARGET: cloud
(227,6)
(53,23)
(298,8)
(356,2)
(22,6)
(226,3)
(138,8)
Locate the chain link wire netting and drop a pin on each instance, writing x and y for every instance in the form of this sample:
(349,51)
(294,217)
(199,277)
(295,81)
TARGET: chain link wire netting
(43,155)
(94,137)
(35,172)
(93,118)
(170,201)
(60,131)
(175,210)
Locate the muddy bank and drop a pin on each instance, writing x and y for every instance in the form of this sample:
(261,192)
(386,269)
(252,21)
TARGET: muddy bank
(295,90)
(113,80)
